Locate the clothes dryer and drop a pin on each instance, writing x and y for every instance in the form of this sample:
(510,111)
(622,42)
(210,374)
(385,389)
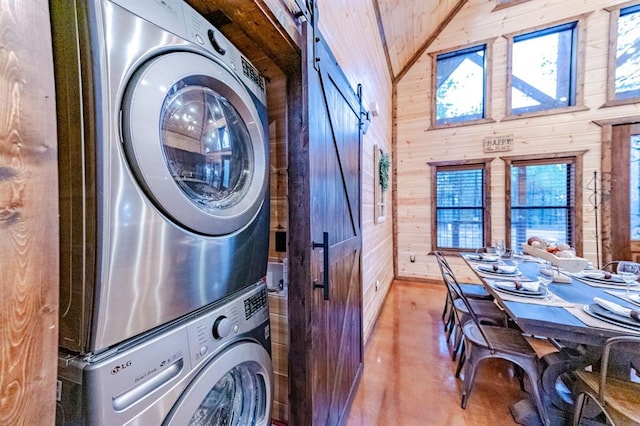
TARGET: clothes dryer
(212,368)
(163,168)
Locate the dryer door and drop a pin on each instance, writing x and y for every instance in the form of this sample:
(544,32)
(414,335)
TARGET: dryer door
(232,389)
(195,142)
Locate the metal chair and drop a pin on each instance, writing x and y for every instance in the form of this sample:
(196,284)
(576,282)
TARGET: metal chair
(611,393)
(484,341)
(488,311)
(471,290)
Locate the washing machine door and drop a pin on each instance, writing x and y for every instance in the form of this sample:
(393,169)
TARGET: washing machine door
(195,142)
(234,388)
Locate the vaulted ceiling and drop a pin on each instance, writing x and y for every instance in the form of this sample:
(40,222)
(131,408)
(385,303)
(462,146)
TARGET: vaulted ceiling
(406,27)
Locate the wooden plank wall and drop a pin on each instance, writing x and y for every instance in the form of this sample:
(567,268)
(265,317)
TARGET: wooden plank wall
(417,144)
(28,217)
(351,30)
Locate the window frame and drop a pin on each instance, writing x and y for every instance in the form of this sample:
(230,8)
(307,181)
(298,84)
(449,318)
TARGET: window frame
(475,164)
(578,62)
(488,66)
(573,157)
(611,58)
(508,3)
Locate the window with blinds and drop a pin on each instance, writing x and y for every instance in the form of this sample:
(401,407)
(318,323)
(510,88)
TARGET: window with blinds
(460,210)
(542,200)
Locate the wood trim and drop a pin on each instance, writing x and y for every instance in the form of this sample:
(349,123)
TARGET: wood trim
(605,193)
(611,58)
(394,168)
(551,156)
(29,225)
(545,113)
(501,5)
(430,40)
(418,280)
(631,119)
(383,37)
(258,22)
(300,297)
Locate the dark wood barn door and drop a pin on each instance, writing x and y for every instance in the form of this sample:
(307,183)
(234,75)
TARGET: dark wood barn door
(326,311)
(335,215)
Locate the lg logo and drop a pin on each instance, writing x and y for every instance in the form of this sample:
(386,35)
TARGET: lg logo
(119,368)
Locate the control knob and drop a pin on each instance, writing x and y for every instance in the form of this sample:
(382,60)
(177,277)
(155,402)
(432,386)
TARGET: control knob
(221,327)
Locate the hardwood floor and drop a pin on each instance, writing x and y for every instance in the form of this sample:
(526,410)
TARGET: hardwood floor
(409,377)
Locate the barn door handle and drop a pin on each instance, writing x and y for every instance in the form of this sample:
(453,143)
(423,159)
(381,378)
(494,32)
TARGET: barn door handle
(324,245)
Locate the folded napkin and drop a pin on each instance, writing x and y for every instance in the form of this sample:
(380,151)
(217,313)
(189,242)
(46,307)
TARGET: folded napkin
(502,269)
(617,309)
(484,257)
(519,285)
(557,276)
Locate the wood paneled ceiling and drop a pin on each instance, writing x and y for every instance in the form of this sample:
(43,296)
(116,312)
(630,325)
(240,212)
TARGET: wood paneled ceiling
(408,27)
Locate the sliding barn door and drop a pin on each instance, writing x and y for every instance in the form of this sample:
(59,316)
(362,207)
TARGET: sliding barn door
(334,149)
(326,312)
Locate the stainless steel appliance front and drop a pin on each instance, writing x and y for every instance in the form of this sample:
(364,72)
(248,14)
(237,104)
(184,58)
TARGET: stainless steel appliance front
(210,368)
(164,168)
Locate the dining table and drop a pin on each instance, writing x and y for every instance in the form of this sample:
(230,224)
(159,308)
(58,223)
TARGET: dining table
(570,315)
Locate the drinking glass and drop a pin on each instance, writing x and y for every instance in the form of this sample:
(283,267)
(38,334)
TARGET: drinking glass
(516,258)
(500,249)
(545,275)
(629,272)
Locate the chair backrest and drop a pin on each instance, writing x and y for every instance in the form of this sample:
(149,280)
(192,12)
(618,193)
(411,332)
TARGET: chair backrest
(445,268)
(627,356)
(452,283)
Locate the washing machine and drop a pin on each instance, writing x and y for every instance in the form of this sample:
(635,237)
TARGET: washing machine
(211,369)
(163,165)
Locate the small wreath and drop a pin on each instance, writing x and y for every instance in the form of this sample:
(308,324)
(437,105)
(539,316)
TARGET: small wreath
(383,170)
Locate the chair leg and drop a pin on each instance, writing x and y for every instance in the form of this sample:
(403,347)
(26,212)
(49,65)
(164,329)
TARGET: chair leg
(461,360)
(519,373)
(532,373)
(469,375)
(578,405)
(457,343)
(446,308)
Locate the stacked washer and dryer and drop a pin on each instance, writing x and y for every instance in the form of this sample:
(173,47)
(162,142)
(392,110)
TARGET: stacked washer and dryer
(164,219)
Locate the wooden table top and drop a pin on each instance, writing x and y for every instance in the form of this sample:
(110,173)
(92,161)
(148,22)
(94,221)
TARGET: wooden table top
(554,321)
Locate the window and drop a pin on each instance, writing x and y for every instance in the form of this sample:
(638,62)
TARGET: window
(624,55)
(546,69)
(460,86)
(543,69)
(460,218)
(542,195)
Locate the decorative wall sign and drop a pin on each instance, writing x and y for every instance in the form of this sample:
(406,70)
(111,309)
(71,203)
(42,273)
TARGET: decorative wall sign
(498,143)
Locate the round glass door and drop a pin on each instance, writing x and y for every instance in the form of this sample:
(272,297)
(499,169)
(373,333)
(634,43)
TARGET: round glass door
(233,389)
(195,142)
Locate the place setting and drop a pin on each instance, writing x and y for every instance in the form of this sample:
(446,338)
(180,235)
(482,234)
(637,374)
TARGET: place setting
(530,291)
(482,257)
(613,313)
(625,276)
(508,272)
